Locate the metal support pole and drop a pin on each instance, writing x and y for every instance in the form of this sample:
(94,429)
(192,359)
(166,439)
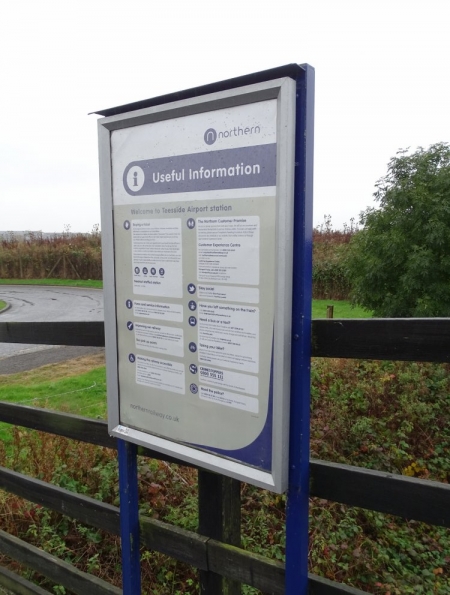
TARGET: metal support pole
(298,493)
(129,517)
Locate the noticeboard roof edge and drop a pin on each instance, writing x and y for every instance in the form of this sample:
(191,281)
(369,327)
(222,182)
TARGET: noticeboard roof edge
(289,70)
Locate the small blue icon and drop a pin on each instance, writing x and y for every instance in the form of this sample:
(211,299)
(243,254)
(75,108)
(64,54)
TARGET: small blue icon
(153,271)
(127,225)
(193,369)
(190,223)
(132,358)
(137,270)
(192,305)
(192,347)
(129,304)
(145,270)
(193,388)
(192,320)
(161,272)
(130,325)
(191,288)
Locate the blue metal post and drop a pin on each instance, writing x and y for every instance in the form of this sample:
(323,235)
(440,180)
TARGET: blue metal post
(129,517)
(298,493)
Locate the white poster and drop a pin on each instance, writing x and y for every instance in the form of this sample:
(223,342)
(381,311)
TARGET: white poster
(197,234)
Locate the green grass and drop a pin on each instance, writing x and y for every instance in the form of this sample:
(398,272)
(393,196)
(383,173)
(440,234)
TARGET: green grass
(84,394)
(2,305)
(64,282)
(342,309)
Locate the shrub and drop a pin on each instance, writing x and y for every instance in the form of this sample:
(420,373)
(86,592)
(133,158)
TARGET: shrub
(399,263)
(61,256)
(330,246)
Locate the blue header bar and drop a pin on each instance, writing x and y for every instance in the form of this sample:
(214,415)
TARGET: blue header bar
(245,167)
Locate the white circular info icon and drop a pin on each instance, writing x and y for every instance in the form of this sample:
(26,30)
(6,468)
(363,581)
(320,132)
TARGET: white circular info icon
(135,178)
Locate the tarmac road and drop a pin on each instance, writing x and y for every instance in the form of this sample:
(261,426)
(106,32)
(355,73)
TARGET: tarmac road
(45,303)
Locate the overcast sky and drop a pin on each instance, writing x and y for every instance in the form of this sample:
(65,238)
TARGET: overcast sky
(382,83)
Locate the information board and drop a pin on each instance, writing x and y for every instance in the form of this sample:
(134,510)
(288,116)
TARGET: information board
(197,212)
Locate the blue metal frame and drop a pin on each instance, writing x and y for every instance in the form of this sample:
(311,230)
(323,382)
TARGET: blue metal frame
(298,492)
(129,517)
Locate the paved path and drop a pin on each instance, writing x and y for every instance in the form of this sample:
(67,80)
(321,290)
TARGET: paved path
(42,303)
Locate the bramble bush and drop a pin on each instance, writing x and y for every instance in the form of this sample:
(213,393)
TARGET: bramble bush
(330,246)
(389,416)
(61,256)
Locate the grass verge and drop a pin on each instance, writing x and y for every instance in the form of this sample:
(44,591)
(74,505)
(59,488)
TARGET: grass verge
(64,282)
(342,309)
(77,386)
(2,305)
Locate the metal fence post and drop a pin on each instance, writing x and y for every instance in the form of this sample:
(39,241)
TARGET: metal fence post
(298,493)
(129,517)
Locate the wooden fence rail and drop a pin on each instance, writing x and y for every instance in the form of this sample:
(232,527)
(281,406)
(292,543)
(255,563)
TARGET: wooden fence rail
(214,550)
(410,339)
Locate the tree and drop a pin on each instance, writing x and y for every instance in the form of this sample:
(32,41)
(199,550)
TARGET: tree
(399,263)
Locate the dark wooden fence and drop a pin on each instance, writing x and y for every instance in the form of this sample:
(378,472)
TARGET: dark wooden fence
(215,550)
